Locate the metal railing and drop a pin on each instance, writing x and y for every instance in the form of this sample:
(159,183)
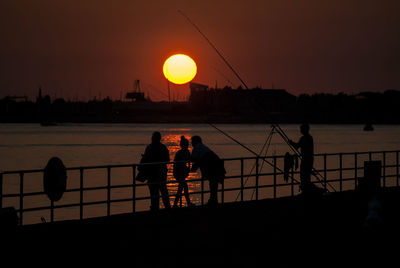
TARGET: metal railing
(247,178)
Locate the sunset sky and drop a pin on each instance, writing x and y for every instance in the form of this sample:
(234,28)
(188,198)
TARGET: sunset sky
(86,48)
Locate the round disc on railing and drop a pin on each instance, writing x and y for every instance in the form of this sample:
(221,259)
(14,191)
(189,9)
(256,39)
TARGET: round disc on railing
(55,179)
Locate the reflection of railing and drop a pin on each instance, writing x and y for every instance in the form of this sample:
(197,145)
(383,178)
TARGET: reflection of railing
(346,171)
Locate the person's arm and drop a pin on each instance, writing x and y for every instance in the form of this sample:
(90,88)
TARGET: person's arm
(145,155)
(194,161)
(296,145)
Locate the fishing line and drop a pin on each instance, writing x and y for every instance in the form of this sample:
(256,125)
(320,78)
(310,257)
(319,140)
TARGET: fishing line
(262,164)
(248,149)
(267,142)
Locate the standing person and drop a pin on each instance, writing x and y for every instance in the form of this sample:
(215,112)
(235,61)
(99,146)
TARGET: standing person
(306,145)
(157,174)
(181,171)
(211,166)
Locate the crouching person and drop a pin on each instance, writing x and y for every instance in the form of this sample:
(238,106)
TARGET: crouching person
(211,167)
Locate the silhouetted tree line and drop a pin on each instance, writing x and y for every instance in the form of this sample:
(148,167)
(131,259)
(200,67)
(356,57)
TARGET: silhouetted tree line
(365,107)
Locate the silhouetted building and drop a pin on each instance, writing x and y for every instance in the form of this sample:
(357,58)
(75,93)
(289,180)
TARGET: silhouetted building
(240,102)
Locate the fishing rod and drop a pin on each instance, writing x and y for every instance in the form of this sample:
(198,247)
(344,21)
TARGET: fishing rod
(212,45)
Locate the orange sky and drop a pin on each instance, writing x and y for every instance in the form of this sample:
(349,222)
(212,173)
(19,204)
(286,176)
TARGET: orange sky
(86,48)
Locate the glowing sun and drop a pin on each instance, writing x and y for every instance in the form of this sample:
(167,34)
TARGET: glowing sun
(179,69)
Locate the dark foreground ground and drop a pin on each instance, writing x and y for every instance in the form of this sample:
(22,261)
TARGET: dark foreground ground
(320,231)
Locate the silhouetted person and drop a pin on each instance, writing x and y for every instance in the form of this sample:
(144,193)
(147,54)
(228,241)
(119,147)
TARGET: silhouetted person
(181,171)
(157,174)
(306,145)
(211,166)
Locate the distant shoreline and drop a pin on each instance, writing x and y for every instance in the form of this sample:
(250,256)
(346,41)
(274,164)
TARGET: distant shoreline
(224,106)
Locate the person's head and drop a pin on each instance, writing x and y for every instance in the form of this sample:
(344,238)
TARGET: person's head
(196,140)
(156,137)
(305,129)
(184,143)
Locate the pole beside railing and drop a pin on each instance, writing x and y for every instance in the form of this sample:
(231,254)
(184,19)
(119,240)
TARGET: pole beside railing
(384,169)
(241,179)
(274,177)
(257,176)
(397,168)
(355,170)
(108,191)
(81,193)
(21,197)
(133,188)
(325,173)
(1,190)
(340,172)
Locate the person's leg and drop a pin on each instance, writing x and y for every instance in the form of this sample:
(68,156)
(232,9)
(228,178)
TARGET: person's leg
(154,197)
(305,177)
(164,194)
(213,192)
(178,195)
(186,192)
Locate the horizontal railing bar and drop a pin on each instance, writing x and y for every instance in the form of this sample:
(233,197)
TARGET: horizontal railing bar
(48,207)
(226,159)
(94,188)
(10,195)
(352,153)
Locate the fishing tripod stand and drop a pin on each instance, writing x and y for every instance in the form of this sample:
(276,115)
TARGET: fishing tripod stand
(275,128)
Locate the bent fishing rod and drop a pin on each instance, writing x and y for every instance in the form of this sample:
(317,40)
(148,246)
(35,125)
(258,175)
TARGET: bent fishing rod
(212,45)
(243,83)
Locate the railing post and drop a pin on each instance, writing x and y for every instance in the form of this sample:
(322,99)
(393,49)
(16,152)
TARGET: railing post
(274,176)
(241,179)
(384,169)
(21,197)
(81,193)
(292,183)
(51,211)
(1,190)
(133,188)
(340,172)
(202,190)
(222,190)
(355,170)
(257,177)
(325,173)
(397,168)
(108,191)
